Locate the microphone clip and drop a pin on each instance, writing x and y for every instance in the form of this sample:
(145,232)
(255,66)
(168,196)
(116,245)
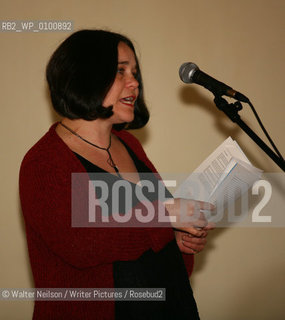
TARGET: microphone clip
(230,109)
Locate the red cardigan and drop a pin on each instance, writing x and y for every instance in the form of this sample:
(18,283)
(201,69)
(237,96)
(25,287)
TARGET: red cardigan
(66,257)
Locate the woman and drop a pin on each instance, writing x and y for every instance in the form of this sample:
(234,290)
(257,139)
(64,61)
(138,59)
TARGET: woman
(95,85)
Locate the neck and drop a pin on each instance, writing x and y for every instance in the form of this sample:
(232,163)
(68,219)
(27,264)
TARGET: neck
(97,131)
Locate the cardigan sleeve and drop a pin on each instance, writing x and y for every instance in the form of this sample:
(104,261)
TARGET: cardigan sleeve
(45,194)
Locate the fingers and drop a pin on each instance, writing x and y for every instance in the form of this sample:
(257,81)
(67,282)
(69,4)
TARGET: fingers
(185,220)
(207,206)
(187,250)
(193,243)
(192,227)
(210,226)
(203,208)
(187,214)
(181,243)
(188,239)
(201,222)
(199,233)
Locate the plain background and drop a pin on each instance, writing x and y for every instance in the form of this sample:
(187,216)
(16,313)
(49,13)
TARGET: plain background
(241,273)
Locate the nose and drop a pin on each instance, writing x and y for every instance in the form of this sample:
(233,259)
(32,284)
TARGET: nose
(132,82)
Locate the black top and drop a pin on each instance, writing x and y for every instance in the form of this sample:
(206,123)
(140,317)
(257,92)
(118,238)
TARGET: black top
(164,269)
(90,167)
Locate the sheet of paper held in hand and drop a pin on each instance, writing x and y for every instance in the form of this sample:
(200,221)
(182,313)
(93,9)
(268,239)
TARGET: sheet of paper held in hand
(222,178)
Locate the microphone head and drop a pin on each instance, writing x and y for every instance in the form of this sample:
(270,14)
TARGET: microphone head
(187,70)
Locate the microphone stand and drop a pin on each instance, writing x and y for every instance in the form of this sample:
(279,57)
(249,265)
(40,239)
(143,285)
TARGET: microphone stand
(231,110)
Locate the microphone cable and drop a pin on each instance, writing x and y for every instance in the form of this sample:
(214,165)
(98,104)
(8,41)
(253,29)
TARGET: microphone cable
(264,130)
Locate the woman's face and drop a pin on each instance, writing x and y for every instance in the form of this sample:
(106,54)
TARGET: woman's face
(124,91)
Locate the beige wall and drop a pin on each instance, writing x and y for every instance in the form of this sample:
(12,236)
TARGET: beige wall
(241,274)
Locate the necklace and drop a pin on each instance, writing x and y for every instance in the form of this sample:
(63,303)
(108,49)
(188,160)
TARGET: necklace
(110,160)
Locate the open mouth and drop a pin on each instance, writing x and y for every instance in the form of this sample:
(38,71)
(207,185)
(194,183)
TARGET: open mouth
(129,101)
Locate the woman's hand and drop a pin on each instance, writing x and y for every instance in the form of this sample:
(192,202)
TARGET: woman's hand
(188,215)
(189,223)
(190,244)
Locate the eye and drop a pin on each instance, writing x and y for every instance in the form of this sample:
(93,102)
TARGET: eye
(121,70)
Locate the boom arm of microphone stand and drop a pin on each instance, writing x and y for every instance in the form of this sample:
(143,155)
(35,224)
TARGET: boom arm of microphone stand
(231,110)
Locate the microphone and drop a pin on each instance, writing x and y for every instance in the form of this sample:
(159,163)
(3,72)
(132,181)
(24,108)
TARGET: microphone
(190,73)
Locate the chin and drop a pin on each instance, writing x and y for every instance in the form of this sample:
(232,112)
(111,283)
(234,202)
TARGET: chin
(124,118)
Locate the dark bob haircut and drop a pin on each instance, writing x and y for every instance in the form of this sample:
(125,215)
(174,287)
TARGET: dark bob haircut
(82,70)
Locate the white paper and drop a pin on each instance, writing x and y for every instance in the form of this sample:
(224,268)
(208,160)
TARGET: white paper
(224,176)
